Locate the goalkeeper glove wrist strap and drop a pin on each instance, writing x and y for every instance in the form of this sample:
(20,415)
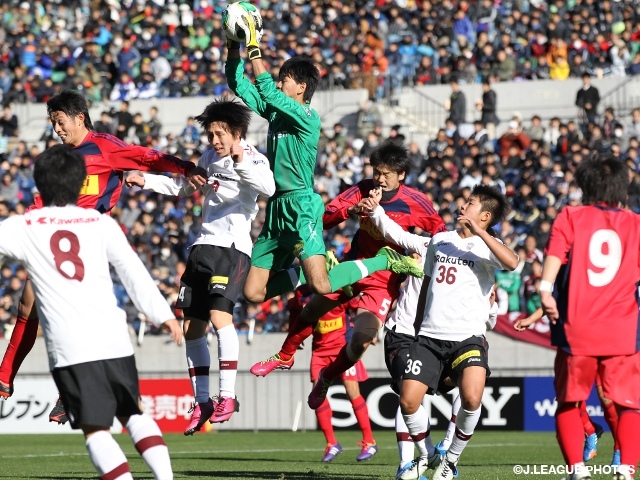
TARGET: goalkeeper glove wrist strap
(254,53)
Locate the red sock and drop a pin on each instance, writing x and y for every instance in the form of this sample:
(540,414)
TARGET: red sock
(341,364)
(569,432)
(589,429)
(324,414)
(362,415)
(627,433)
(299,330)
(22,340)
(611,417)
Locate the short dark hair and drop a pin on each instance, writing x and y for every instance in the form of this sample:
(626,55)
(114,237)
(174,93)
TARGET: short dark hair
(302,69)
(72,104)
(236,115)
(603,179)
(394,156)
(59,174)
(492,201)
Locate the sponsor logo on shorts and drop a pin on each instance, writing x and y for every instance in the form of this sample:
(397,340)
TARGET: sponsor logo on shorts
(298,250)
(221,287)
(219,279)
(329,325)
(465,356)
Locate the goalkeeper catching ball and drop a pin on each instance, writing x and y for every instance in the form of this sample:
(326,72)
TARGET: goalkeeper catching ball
(293,223)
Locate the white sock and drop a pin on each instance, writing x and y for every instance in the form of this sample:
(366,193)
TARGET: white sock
(107,457)
(228,353)
(405,442)
(451,428)
(147,439)
(198,361)
(420,430)
(465,426)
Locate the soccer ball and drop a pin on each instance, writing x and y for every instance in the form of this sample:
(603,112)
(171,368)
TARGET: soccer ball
(233,21)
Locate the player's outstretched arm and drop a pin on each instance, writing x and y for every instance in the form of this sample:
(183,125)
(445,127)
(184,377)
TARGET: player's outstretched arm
(239,84)
(522,325)
(345,204)
(160,184)
(174,329)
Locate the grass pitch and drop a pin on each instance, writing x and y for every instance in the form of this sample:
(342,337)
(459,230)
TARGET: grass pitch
(281,456)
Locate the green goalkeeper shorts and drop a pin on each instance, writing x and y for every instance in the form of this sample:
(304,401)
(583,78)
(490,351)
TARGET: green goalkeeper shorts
(292,228)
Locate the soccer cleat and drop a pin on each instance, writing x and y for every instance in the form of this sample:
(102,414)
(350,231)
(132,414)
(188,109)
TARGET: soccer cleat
(591,443)
(224,408)
(368,451)
(264,368)
(58,414)
(439,449)
(446,470)
(407,471)
(331,452)
(623,473)
(330,262)
(615,461)
(201,413)
(319,392)
(5,390)
(401,264)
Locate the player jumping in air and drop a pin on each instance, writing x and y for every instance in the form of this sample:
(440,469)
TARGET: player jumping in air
(293,222)
(106,157)
(67,251)
(593,256)
(451,318)
(219,260)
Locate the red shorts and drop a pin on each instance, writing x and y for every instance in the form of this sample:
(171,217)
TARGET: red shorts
(356,373)
(620,378)
(371,294)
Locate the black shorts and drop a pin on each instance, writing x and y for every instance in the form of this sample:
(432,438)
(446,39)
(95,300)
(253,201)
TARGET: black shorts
(396,353)
(95,392)
(213,273)
(431,360)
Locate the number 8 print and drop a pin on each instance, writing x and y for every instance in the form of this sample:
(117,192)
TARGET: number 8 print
(71,255)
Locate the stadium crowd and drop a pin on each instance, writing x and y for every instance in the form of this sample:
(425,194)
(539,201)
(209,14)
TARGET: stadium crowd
(114,50)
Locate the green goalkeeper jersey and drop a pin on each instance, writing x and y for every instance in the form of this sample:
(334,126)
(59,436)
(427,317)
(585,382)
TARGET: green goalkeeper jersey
(294,129)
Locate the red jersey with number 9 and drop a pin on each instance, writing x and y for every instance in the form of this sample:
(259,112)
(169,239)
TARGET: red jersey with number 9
(597,286)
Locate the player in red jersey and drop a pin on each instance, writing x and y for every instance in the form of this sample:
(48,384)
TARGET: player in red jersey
(593,257)
(106,158)
(375,294)
(329,336)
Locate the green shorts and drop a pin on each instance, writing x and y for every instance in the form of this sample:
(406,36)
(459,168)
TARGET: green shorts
(292,228)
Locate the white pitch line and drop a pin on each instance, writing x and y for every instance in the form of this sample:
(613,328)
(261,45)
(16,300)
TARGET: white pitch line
(271,450)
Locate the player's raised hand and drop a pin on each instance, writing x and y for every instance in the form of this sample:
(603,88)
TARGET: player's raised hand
(376,194)
(173,328)
(237,152)
(197,177)
(469,223)
(134,180)
(252,36)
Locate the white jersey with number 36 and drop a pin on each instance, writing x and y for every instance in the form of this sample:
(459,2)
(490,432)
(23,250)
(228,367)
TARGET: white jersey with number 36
(67,252)
(462,272)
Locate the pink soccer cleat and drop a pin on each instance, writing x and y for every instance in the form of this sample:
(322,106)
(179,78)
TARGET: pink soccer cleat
(262,369)
(319,392)
(201,413)
(224,408)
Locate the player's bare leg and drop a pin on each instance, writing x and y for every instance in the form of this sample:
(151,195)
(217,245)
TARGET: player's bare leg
(366,327)
(299,329)
(359,405)
(255,287)
(22,340)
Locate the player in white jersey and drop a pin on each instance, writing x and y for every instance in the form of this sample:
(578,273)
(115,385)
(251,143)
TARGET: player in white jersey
(220,258)
(67,251)
(451,318)
(400,334)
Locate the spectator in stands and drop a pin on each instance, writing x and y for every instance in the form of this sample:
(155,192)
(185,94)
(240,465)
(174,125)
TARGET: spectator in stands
(457,104)
(587,100)
(8,122)
(488,105)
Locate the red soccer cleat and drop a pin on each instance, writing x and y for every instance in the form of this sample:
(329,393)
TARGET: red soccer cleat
(225,407)
(262,369)
(201,413)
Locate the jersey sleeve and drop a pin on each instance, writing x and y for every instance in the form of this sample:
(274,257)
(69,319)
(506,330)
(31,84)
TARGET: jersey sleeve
(336,211)
(12,241)
(134,276)
(561,236)
(396,234)
(243,88)
(167,186)
(122,156)
(254,171)
(298,115)
(429,258)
